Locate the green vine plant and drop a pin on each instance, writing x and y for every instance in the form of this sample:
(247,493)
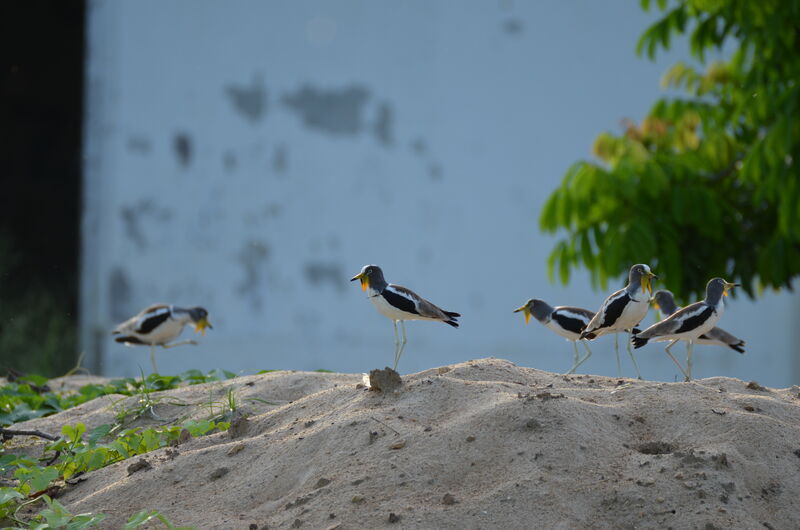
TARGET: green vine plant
(77,451)
(707,184)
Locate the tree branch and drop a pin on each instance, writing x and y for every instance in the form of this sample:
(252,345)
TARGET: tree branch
(6,434)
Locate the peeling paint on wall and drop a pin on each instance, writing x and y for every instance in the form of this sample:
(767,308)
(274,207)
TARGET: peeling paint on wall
(249,101)
(252,258)
(229,161)
(119,293)
(513,26)
(383,124)
(435,171)
(319,273)
(419,146)
(132,216)
(182,145)
(280,159)
(337,112)
(139,145)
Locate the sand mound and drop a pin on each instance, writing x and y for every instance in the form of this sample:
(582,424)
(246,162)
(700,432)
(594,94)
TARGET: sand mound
(482,444)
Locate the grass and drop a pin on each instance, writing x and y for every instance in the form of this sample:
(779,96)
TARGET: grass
(77,451)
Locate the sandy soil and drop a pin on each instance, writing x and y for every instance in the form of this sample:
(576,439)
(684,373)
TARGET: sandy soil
(481,444)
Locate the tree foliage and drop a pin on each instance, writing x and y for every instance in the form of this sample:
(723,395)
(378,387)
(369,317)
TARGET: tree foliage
(707,184)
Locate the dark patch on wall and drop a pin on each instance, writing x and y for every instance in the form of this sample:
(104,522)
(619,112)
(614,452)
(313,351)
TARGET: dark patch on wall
(132,216)
(119,293)
(139,145)
(513,26)
(249,101)
(383,124)
(252,258)
(435,171)
(336,112)
(419,147)
(280,159)
(229,161)
(319,273)
(182,145)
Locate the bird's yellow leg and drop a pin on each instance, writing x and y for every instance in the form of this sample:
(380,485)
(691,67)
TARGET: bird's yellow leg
(616,350)
(153,358)
(402,345)
(581,361)
(396,343)
(670,345)
(633,359)
(689,348)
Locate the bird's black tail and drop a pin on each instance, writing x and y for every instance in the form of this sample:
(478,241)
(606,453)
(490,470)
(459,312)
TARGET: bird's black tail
(739,346)
(453,318)
(129,340)
(638,342)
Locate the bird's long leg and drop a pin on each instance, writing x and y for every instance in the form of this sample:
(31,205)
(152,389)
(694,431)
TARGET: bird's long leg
(633,359)
(396,343)
(153,358)
(616,350)
(670,345)
(181,343)
(402,345)
(689,348)
(576,356)
(580,362)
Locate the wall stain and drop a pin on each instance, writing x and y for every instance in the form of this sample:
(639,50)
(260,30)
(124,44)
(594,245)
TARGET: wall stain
(336,112)
(249,101)
(182,145)
(280,159)
(435,171)
(383,124)
(419,146)
(319,273)
(229,161)
(139,145)
(119,294)
(252,258)
(132,216)
(513,26)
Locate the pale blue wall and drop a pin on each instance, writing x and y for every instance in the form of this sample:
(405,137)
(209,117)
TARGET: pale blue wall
(252,156)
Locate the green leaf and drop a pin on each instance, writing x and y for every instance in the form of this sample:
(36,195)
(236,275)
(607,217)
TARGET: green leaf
(9,494)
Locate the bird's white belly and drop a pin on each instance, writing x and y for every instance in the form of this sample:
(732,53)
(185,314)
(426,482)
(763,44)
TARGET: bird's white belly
(707,326)
(390,311)
(633,313)
(166,332)
(561,331)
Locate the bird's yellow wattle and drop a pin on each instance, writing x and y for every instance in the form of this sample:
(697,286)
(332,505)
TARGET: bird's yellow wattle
(364,283)
(201,326)
(647,284)
(527,317)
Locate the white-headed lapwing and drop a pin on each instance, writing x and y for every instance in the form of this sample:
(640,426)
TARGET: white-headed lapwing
(664,301)
(565,320)
(160,324)
(623,310)
(689,323)
(399,304)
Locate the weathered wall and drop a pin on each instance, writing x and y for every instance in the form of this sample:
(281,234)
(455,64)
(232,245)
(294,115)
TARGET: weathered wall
(252,156)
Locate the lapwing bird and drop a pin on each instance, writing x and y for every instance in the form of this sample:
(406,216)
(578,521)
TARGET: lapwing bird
(623,310)
(688,323)
(564,320)
(665,302)
(160,324)
(399,304)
